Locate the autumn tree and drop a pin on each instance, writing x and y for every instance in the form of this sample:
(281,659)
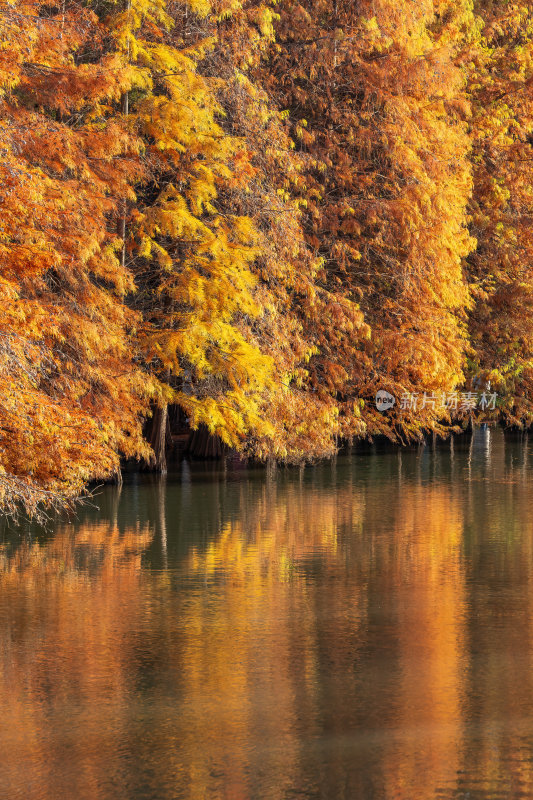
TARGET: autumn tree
(71,396)
(191,260)
(297,300)
(261,213)
(378,104)
(500,75)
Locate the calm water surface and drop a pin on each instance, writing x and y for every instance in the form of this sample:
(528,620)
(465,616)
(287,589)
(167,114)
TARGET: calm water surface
(361,630)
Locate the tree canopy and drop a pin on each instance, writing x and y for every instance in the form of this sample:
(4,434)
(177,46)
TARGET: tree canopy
(262,213)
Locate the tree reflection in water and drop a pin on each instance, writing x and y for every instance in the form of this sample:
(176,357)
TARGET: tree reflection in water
(363,631)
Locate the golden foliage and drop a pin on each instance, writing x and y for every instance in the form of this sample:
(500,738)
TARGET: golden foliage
(262,212)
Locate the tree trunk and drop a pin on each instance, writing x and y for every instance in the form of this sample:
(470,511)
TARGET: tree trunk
(160,438)
(204,445)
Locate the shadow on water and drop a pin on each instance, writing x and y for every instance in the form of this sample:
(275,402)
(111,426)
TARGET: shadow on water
(361,628)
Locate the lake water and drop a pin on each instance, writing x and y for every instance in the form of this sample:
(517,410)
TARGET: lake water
(358,630)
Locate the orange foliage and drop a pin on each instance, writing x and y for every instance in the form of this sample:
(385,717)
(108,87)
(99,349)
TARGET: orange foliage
(71,395)
(261,212)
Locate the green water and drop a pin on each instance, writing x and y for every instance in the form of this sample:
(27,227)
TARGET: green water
(358,629)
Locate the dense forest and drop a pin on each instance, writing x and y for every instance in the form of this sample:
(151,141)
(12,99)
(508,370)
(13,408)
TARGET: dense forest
(260,213)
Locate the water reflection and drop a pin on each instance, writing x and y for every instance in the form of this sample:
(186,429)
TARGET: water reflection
(358,630)
(67,614)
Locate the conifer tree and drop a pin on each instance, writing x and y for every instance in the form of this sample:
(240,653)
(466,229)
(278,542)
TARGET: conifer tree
(376,100)
(501,323)
(192,263)
(71,397)
(304,411)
